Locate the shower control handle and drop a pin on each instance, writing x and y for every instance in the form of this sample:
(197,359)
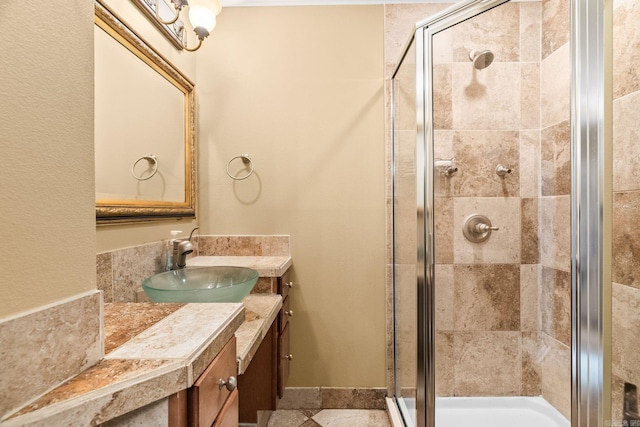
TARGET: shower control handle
(477,228)
(483,228)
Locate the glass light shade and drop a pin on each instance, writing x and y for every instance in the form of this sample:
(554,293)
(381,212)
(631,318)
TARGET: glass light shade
(202,13)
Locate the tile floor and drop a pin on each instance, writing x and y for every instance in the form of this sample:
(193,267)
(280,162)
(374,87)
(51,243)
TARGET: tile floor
(329,418)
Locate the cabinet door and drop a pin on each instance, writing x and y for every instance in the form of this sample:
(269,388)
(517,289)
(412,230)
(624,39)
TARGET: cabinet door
(206,396)
(285,314)
(228,416)
(284,284)
(284,360)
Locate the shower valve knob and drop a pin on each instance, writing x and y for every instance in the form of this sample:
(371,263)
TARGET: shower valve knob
(477,228)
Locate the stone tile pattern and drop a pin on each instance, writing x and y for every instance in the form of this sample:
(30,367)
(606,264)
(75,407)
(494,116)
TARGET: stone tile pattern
(40,350)
(502,306)
(120,272)
(329,418)
(626,203)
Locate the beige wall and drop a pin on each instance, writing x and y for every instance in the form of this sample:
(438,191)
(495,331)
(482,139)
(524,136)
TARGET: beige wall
(300,89)
(46,201)
(114,237)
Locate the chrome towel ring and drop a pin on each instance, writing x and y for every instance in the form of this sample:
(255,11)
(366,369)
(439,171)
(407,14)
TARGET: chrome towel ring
(152,160)
(246,159)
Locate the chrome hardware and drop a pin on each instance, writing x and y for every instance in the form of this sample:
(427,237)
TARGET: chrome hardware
(288,356)
(446,167)
(477,228)
(289,313)
(288,285)
(502,170)
(231,383)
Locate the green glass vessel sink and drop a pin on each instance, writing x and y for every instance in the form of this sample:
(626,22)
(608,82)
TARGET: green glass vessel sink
(201,284)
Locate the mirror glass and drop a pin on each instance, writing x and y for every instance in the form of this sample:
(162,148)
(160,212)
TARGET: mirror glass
(144,139)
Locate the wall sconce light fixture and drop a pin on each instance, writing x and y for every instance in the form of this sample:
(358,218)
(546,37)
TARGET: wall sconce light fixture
(202,16)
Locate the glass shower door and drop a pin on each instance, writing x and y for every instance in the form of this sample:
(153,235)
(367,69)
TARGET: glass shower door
(404,237)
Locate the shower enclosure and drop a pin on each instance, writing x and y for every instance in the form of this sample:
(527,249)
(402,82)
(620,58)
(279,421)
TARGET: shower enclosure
(497,213)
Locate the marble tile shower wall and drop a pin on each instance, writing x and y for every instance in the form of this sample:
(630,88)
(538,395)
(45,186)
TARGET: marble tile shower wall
(487,320)
(120,272)
(502,307)
(626,202)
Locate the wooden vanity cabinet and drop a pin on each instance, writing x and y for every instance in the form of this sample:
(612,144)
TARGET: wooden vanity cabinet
(209,402)
(263,382)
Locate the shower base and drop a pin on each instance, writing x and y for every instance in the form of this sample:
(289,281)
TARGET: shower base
(490,412)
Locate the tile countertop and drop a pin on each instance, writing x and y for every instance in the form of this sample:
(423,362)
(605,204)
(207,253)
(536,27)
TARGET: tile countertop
(160,359)
(267,266)
(152,351)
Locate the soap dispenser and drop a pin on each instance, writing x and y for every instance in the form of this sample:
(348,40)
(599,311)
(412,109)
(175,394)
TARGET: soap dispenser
(167,250)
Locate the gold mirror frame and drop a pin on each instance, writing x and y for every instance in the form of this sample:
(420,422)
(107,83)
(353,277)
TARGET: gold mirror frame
(118,211)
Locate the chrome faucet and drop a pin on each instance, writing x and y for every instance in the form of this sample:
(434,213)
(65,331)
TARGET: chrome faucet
(182,248)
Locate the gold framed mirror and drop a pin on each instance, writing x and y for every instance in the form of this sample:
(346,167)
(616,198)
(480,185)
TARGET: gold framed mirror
(144,129)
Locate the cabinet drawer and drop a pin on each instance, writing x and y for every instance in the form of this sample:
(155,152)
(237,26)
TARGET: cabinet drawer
(206,396)
(285,314)
(284,284)
(229,413)
(284,360)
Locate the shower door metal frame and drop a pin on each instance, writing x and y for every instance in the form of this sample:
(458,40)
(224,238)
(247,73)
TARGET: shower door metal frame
(587,206)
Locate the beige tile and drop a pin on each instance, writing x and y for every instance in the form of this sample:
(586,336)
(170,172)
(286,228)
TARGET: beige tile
(529,309)
(626,49)
(555,25)
(530,163)
(127,276)
(503,247)
(625,339)
(617,400)
(626,150)
(301,398)
(530,231)
(405,229)
(104,276)
(443,185)
(444,364)
(353,398)
(406,324)
(555,236)
(555,161)
(400,22)
(405,99)
(555,304)
(530,96)
(287,418)
(442,107)
(626,239)
(531,369)
(443,47)
(42,349)
(487,297)
(555,360)
(155,414)
(445,309)
(476,162)
(486,99)
(497,30)
(443,220)
(555,87)
(352,417)
(487,363)
(230,246)
(530,37)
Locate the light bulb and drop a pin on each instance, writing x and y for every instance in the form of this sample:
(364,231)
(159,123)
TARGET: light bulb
(202,13)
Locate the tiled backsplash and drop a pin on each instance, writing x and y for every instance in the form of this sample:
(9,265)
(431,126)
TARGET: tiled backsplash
(120,272)
(41,349)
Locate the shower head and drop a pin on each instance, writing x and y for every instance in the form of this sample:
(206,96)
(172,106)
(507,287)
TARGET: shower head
(481,59)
